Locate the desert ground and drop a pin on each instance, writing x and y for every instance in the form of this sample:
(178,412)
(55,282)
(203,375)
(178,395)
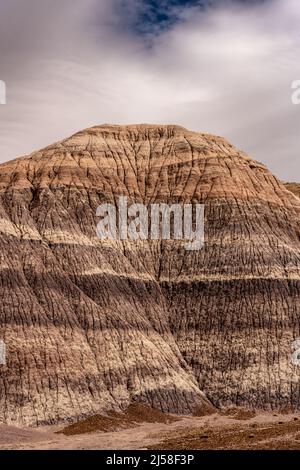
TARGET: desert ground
(231,429)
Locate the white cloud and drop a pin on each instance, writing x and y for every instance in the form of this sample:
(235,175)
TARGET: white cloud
(228,71)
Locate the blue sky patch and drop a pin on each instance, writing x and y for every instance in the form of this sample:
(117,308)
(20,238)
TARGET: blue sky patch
(152,16)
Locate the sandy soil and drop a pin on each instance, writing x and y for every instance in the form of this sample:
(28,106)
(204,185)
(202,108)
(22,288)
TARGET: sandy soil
(264,431)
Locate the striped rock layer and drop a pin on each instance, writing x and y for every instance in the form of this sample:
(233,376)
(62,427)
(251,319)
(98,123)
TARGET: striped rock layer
(93,325)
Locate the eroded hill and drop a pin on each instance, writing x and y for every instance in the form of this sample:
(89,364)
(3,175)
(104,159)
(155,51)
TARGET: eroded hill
(92,325)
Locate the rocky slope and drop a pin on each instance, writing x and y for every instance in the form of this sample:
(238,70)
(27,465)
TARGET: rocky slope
(93,325)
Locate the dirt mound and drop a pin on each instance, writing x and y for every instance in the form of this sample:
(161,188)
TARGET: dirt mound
(113,421)
(238,413)
(140,413)
(205,410)
(96,423)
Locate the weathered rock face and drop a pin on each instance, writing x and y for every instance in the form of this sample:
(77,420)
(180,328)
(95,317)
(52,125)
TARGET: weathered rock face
(92,325)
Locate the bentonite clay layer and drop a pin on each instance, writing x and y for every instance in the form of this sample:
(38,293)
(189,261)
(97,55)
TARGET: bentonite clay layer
(92,326)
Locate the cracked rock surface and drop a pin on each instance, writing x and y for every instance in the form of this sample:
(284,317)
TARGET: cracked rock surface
(92,325)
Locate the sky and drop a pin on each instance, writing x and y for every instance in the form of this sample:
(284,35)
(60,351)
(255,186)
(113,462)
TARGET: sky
(223,67)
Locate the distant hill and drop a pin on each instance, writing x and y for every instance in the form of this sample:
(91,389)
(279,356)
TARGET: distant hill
(294,188)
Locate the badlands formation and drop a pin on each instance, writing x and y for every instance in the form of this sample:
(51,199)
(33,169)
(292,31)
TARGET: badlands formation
(92,325)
